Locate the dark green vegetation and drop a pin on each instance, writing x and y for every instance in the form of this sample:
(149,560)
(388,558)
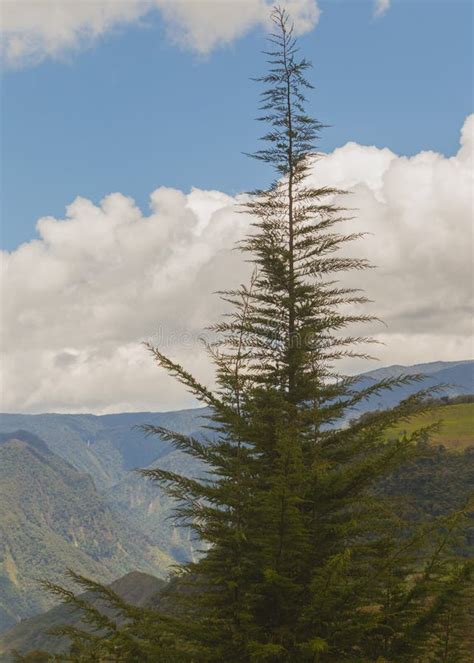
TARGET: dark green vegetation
(307,559)
(138,589)
(52,518)
(436,483)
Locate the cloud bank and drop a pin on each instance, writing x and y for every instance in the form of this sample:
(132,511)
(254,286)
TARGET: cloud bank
(78,301)
(33,30)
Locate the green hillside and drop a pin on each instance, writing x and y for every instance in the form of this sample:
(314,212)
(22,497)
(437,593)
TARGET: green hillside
(108,448)
(51,518)
(456,425)
(149,508)
(31,634)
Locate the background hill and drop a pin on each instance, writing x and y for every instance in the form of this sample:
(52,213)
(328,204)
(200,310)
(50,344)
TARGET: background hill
(52,518)
(107,446)
(31,634)
(458,378)
(104,446)
(456,428)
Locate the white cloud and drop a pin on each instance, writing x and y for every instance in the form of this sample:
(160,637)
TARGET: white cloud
(201,26)
(36,29)
(381,7)
(77,302)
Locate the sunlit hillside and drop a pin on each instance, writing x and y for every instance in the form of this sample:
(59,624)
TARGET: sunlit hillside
(456,425)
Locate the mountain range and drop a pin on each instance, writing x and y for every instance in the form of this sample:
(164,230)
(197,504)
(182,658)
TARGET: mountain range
(70,497)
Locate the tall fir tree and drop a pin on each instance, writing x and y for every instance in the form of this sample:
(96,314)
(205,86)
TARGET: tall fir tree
(303,560)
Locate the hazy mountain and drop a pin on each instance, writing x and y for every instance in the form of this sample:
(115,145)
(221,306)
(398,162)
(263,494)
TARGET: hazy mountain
(104,446)
(52,518)
(149,508)
(426,369)
(458,378)
(109,448)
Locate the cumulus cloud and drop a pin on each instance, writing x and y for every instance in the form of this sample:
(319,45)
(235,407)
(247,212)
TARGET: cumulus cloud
(381,6)
(35,29)
(201,26)
(78,301)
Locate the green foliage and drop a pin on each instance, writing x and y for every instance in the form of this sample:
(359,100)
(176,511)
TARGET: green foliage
(304,559)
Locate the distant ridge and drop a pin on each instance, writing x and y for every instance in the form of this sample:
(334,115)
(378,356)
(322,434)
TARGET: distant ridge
(458,378)
(426,369)
(33,440)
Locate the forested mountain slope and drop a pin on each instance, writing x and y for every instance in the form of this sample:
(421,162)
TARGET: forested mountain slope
(136,588)
(439,482)
(52,518)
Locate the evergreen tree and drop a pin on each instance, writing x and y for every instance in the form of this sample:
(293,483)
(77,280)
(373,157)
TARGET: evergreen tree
(303,560)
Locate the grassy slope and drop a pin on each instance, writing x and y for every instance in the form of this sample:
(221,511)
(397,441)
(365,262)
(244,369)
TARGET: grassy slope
(456,428)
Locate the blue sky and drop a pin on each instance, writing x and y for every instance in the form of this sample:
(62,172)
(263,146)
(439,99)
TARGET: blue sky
(134,111)
(106,103)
